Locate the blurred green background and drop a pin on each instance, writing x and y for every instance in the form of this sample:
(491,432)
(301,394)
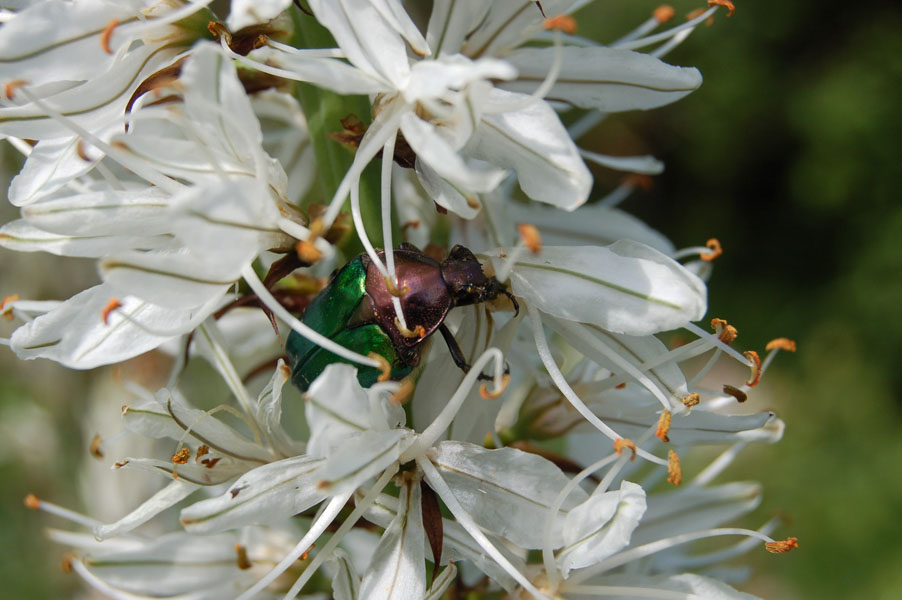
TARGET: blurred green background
(788,155)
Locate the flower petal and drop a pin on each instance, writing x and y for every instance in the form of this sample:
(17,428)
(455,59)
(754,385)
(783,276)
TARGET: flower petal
(170,495)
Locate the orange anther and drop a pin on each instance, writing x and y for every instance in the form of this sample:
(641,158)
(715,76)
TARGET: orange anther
(664,426)
(756,368)
(782,546)
(726,4)
(674,470)
(638,180)
(107,34)
(94,448)
(715,250)
(735,392)
(80,150)
(66,563)
(219,30)
(7,312)
(384,366)
(620,444)
(530,236)
(181,457)
(695,13)
(663,13)
(32,502)
(415,224)
(691,400)
(307,552)
(487,395)
(418,331)
(620,386)
(112,305)
(393,289)
(726,333)
(243,562)
(308,252)
(781,344)
(202,450)
(564,23)
(9,90)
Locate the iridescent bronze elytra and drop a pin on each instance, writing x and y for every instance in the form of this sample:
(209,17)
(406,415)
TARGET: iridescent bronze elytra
(357,311)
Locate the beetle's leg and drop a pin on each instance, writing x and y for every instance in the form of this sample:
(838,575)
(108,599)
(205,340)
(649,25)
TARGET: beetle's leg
(456,355)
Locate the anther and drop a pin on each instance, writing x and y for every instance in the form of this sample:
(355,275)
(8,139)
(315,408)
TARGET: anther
(308,252)
(638,180)
(393,289)
(530,236)
(695,13)
(776,344)
(663,13)
(66,562)
(107,34)
(674,470)
(243,562)
(715,250)
(621,443)
(756,368)
(563,23)
(94,448)
(82,153)
(181,457)
(691,400)
(735,392)
(664,426)
(9,90)
(32,502)
(307,552)
(782,546)
(403,393)
(7,312)
(219,30)
(202,450)
(112,305)
(496,393)
(726,4)
(384,366)
(726,333)
(417,332)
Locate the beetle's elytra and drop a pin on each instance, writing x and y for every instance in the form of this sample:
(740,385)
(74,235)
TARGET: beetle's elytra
(355,310)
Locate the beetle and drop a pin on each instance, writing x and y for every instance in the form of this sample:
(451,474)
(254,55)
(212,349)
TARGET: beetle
(356,310)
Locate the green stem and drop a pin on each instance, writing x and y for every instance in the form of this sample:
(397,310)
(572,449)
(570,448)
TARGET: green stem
(324,111)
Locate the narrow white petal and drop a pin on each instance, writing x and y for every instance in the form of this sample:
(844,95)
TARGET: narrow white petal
(244,13)
(451,21)
(22,236)
(51,165)
(345,581)
(170,495)
(362,456)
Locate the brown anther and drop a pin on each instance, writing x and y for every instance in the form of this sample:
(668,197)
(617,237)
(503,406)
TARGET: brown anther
(8,313)
(674,470)
(472,201)
(638,180)
(563,23)
(664,426)
(66,562)
(243,562)
(776,344)
(219,30)
(620,444)
(726,4)
(393,289)
(210,462)
(181,457)
(418,331)
(307,552)
(530,236)
(695,13)
(124,409)
(202,450)
(119,145)
(414,224)
(94,448)
(112,305)
(384,366)
(9,90)
(620,386)
(120,464)
(32,502)
(756,368)
(495,393)
(691,400)
(782,546)
(715,250)
(726,333)
(308,252)
(663,13)
(82,153)
(404,392)
(107,34)
(735,392)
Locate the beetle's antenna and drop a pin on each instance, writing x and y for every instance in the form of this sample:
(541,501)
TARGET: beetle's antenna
(513,301)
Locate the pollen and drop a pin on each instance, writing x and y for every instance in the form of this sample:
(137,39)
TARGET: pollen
(107,34)
(393,288)
(663,13)
(691,400)
(384,366)
(403,393)
(781,344)
(715,250)
(756,368)
(7,312)
(782,546)
(243,562)
(32,502)
(219,30)
(181,457)
(202,450)
(308,252)
(736,393)
(530,236)
(94,448)
(726,333)
(494,394)
(664,426)
(620,444)
(564,23)
(9,90)
(674,470)
(112,305)
(418,331)
(726,4)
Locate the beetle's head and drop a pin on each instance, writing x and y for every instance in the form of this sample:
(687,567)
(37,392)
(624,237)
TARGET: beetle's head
(467,284)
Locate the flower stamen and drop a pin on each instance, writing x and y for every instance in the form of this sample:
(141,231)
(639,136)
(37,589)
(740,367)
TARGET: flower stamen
(663,13)
(737,393)
(755,366)
(530,236)
(674,469)
(664,426)
(622,443)
(107,34)
(112,305)
(715,250)
(726,333)
(782,546)
(726,4)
